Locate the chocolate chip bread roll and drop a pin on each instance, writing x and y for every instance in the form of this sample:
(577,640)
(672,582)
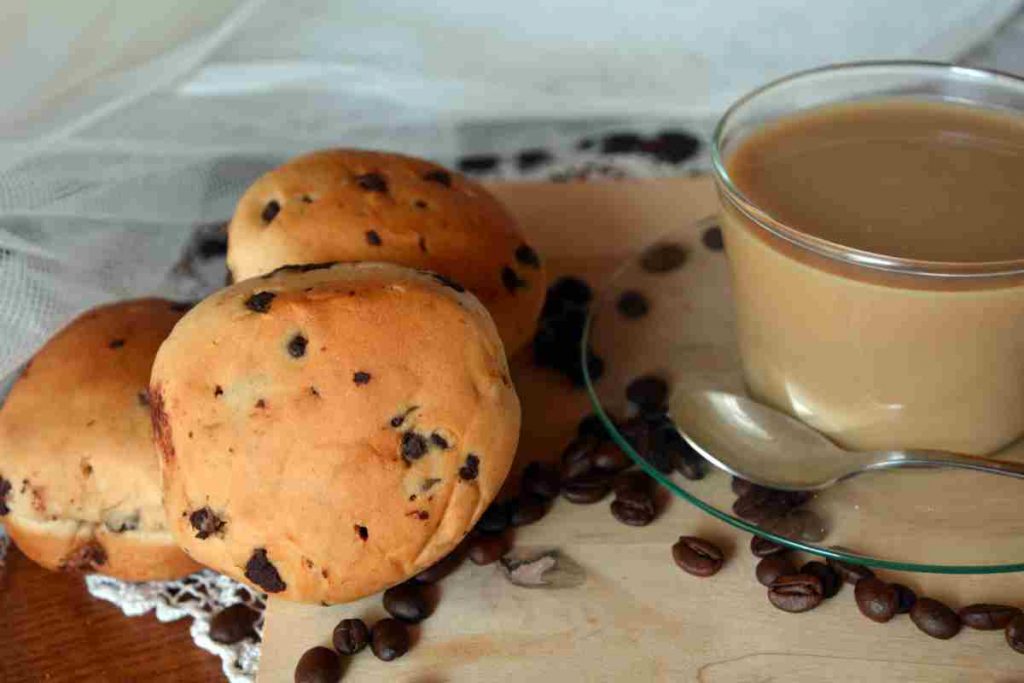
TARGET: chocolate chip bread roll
(352,205)
(329,431)
(79,476)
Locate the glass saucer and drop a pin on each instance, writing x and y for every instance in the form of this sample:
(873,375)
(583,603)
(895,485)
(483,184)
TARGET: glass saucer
(667,312)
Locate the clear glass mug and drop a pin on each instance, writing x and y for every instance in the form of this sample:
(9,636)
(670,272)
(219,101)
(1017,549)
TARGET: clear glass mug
(876,352)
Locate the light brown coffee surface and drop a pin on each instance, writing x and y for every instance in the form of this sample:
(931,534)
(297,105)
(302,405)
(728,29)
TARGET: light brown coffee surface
(907,178)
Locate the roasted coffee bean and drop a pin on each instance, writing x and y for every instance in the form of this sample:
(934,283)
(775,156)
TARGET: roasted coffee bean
(763,547)
(591,425)
(697,556)
(635,480)
(407,602)
(478,163)
(772,567)
(577,458)
(740,486)
(1015,633)
(876,599)
(849,572)
(796,592)
(648,393)
(760,504)
(633,304)
(318,665)
(608,457)
(987,617)
(389,639)
(663,257)
(587,488)
(687,461)
(801,524)
(668,450)
(830,581)
(443,567)
(673,147)
(905,597)
(350,636)
(935,618)
(634,507)
(233,624)
(484,550)
(495,519)
(527,509)
(531,158)
(540,480)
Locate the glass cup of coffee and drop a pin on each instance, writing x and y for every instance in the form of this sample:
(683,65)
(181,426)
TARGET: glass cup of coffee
(873,217)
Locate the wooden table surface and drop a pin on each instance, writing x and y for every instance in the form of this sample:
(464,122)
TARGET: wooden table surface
(51,629)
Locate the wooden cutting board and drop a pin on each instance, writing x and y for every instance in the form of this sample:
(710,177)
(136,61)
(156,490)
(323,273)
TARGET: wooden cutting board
(637,616)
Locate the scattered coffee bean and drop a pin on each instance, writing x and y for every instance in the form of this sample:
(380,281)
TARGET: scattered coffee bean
(796,592)
(495,519)
(407,602)
(1015,633)
(712,239)
(484,550)
(987,617)
(830,581)
(608,457)
(592,426)
(527,509)
(233,624)
(530,158)
(628,482)
(478,163)
(740,486)
(586,488)
(849,572)
(648,392)
(763,547)
(632,304)
(876,599)
(800,524)
(935,618)
(663,257)
(318,665)
(697,556)
(270,211)
(905,597)
(761,504)
(350,636)
(772,567)
(443,567)
(540,480)
(577,458)
(389,639)
(621,143)
(672,147)
(634,508)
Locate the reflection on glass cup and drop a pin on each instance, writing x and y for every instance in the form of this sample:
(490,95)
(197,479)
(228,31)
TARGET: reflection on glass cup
(882,304)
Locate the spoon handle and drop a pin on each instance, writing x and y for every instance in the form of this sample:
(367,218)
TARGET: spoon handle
(928,458)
